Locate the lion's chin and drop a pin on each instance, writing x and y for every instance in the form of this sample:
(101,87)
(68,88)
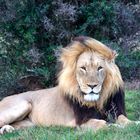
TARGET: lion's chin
(91,97)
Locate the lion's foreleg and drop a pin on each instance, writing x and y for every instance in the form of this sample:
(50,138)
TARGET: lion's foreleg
(11,112)
(16,125)
(123,120)
(119,102)
(94,124)
(23,124)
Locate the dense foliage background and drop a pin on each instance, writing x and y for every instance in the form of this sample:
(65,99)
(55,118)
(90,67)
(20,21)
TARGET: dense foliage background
(32,31)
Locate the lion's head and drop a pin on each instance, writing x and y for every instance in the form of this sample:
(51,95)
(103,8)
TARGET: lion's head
(89,74)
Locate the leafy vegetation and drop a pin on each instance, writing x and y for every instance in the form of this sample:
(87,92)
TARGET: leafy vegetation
(32,31)
(131,132)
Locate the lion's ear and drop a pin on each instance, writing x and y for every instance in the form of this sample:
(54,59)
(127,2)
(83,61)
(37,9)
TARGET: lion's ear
(113,56)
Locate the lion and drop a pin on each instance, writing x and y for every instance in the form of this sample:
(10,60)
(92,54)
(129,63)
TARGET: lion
(89,87)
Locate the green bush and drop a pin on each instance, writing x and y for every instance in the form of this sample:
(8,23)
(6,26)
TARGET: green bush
(97,20)
(129,64)
(31,31)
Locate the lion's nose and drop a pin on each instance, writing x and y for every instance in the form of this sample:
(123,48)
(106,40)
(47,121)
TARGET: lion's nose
(92,86)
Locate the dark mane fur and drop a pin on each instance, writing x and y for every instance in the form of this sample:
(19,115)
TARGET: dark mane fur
(112,109)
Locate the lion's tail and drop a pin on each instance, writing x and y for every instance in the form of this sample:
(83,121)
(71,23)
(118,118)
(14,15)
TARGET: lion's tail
(96,46)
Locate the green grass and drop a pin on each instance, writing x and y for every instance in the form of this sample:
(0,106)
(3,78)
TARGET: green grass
(131,132)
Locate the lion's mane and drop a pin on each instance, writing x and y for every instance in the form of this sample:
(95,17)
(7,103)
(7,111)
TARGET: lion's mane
(67,77)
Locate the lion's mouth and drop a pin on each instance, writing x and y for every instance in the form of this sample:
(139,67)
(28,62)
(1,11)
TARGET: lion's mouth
(93,93)
(91,96)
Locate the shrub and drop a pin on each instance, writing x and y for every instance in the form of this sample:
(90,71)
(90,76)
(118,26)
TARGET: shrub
(130,54)
(31,32)
(97,19)
(127,19)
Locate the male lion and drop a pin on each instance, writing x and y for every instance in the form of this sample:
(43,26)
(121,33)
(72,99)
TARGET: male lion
(90,88)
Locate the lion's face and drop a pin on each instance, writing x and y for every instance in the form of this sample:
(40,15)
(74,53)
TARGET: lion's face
(90,75)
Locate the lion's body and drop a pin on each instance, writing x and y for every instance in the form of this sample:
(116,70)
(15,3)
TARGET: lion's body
(89,84)
(48,115)
(42,113)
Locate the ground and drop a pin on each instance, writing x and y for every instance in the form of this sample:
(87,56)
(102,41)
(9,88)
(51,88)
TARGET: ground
(132,132)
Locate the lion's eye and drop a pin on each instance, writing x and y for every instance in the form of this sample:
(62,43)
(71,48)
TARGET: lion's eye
(99,68)
(83,68)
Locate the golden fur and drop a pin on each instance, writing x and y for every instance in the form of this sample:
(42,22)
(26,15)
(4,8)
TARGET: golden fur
(82,61)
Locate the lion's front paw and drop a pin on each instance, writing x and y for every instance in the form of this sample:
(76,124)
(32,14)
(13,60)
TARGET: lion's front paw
(123,121)
(94,124)
(6,129)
